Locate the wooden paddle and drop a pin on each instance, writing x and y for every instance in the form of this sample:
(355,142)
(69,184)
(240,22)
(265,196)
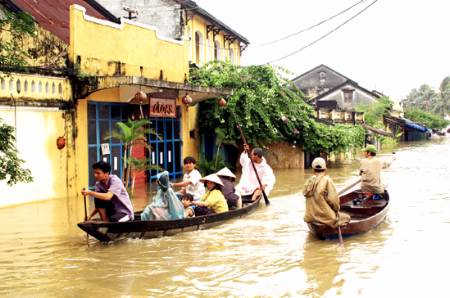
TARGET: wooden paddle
(349,187)
(341,240)
(266,200)
(85,210)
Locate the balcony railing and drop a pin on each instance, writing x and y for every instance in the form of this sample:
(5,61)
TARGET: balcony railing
(34,87)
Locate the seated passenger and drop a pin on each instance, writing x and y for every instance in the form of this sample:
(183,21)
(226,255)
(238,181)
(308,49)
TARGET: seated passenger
(187,203)
(165,205)
(228,190)
(191,180)
(213,200)
(322,199)
(111,197)
(370,172)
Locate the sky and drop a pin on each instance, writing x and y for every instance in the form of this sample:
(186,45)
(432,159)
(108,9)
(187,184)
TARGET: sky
(392,47)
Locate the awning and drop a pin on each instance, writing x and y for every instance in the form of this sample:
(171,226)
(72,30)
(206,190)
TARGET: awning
(415,126)
(406,123)
(378,131)
(128,86)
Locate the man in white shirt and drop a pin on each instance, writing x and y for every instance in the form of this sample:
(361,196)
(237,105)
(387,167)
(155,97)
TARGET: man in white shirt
(248,185)
(191,180)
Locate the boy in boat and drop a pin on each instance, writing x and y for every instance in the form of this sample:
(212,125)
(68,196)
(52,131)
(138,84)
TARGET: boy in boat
(248,185)
(322,200)
(191,180)
(111,198)
(370,171)
(187,200)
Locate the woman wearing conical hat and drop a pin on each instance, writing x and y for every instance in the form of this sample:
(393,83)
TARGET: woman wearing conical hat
(213,199)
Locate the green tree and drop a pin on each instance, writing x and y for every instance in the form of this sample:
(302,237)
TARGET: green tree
(429,100)
(428,119)
(133,133)
(442,104)
(10,164)
(374,112)
(422,98)
(15,28)
(268,107)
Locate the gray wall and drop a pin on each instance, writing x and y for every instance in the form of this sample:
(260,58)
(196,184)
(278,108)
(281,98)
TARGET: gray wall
(162,14)
(320,83)
(359,97)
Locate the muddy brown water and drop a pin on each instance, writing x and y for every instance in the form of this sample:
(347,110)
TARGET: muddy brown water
(269,253)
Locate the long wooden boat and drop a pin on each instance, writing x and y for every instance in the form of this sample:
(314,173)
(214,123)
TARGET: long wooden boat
(137,228)
(365,215)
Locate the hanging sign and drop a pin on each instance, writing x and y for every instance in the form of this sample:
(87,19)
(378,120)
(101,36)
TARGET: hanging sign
(105,149)
(163,108)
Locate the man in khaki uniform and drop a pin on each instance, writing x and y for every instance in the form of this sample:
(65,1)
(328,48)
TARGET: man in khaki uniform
(370,172)
(322,200)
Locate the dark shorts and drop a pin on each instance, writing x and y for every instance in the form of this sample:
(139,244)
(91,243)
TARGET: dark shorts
(110,211)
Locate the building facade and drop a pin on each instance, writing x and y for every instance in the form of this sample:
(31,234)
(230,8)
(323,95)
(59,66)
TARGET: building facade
(108,61)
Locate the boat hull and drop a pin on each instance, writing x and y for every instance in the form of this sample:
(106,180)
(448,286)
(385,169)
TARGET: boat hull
(364,217)
(110,231)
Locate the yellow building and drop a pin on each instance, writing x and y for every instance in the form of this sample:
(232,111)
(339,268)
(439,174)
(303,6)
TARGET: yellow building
(208,38)
(110,61)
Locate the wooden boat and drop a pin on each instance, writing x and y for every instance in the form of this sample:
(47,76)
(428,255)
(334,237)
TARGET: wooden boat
(110,231)
(365,215)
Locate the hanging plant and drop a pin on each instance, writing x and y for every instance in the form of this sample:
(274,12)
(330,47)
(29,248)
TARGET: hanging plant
(268,107)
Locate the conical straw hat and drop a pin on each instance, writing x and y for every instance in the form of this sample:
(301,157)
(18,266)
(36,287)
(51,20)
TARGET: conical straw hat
(213,178)
(225,172)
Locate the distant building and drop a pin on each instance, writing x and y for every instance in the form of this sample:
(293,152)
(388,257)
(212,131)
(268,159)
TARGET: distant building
(334,96)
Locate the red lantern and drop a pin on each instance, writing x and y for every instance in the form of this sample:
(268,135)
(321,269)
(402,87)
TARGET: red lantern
(140,96)
(187,100)
(60,142)
(222,102)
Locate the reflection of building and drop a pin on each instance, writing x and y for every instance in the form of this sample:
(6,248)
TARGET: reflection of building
(104,63)
(333,95)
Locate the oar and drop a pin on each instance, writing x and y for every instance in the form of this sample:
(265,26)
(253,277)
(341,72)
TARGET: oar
(85,210)
(341,241)
(266,200)
(349,187)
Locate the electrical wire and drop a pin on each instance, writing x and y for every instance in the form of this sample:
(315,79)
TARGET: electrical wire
(323,36)
(310,27)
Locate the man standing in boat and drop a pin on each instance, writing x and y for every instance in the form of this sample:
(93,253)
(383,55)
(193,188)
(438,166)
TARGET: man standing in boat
(112,201)
(370,171)
(248,185)
(322,199)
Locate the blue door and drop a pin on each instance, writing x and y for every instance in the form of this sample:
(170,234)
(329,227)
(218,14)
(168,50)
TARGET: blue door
(165,148)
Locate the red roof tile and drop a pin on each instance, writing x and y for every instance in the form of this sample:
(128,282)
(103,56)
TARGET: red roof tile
(53,15)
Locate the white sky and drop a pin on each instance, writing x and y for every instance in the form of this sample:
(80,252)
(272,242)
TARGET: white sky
(394,46)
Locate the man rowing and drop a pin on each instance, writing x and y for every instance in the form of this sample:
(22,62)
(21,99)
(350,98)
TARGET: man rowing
(249,185)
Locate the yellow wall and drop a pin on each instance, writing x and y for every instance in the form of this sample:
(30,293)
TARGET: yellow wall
(101,44)
(37,130)
(198,24)
(188,123)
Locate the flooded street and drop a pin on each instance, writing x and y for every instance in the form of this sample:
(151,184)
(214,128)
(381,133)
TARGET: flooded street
(269,253)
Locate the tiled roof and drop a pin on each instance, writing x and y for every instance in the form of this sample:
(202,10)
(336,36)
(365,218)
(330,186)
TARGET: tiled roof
(194,7)
(53,15)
